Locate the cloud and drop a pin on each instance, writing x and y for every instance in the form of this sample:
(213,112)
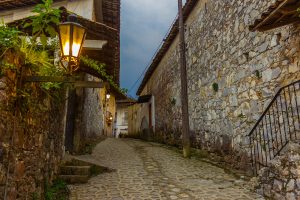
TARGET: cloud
(144,23)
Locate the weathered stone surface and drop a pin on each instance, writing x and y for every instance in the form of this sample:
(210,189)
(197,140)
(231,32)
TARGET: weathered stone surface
(290,196)
(278,185)
(2,84)
(247,66)
(37,142)
(280,176)
(92,118)
(290,186)
(142,171)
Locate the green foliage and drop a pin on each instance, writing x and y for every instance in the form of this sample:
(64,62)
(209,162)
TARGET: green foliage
(35,196)
(44,21)
(41,63)
(58,191)
(173,101)
(9,37)
(36,58)
(241,115)
(258,74)
(215,87)
(100,68)
(124,90)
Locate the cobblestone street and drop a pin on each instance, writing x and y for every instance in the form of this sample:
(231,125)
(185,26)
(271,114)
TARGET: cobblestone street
(151,171)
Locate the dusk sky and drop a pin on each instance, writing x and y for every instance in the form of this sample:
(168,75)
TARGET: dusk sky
(144,24)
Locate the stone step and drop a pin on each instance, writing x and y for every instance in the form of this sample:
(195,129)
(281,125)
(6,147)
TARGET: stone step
(76,170)
(74,179)
(75,162)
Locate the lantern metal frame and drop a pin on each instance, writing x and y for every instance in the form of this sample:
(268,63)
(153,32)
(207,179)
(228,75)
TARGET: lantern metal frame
(72,61)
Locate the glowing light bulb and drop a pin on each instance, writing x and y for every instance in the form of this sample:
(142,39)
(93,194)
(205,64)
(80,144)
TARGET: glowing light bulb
(67,48)
(75,49)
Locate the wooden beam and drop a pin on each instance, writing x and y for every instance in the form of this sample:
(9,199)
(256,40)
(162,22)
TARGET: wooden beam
(64,79)
(279,19)
(94,44)
(89,84)
(287,10)
(270,15)
(272,26)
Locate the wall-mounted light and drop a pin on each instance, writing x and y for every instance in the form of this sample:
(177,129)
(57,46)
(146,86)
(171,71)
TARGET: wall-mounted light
(71,37)
(108,96)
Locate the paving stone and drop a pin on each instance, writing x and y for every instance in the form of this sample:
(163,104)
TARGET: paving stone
(149,171)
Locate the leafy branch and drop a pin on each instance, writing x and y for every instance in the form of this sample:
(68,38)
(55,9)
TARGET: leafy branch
(44,21)
(100,68)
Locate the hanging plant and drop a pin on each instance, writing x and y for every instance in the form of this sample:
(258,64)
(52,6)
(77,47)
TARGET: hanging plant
(100,68)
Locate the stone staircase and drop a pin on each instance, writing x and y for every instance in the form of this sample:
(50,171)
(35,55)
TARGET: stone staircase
(274,145)
(79,172)
(281,179)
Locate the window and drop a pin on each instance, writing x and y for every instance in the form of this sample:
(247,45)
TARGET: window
(125,118)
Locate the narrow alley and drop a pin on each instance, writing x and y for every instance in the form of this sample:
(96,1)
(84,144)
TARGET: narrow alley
(144,170)
(86,84)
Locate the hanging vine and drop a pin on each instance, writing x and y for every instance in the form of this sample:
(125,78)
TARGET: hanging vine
(100,68)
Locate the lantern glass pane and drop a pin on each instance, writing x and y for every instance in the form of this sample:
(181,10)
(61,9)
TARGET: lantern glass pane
(64,31)
(78,37)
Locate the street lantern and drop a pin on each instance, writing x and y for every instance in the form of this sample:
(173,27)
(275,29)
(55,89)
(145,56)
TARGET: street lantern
(108,96)
(71,37)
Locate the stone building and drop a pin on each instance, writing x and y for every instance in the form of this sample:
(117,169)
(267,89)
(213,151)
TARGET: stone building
(122,116)
(233,72)
(39,147)
(86,110)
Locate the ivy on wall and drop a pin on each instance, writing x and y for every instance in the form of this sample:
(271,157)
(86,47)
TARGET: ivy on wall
(100,68)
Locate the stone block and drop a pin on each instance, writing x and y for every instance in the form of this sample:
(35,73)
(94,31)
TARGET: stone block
(263,47)
(293,68)
(290,185)
(233,100)
(267,75)
(2,85)
(19,169)
(278,185)
(290,196)
(274,41)
(253,95)
(278,196)
(298,183)
(254,14)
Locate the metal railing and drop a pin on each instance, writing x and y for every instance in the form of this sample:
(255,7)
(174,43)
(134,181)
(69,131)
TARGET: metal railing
(277,126)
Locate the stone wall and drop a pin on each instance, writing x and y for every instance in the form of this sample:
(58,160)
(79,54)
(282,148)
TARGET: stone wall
(93,119)
(164,85)
(31,139)
(282,179)
(246,68)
